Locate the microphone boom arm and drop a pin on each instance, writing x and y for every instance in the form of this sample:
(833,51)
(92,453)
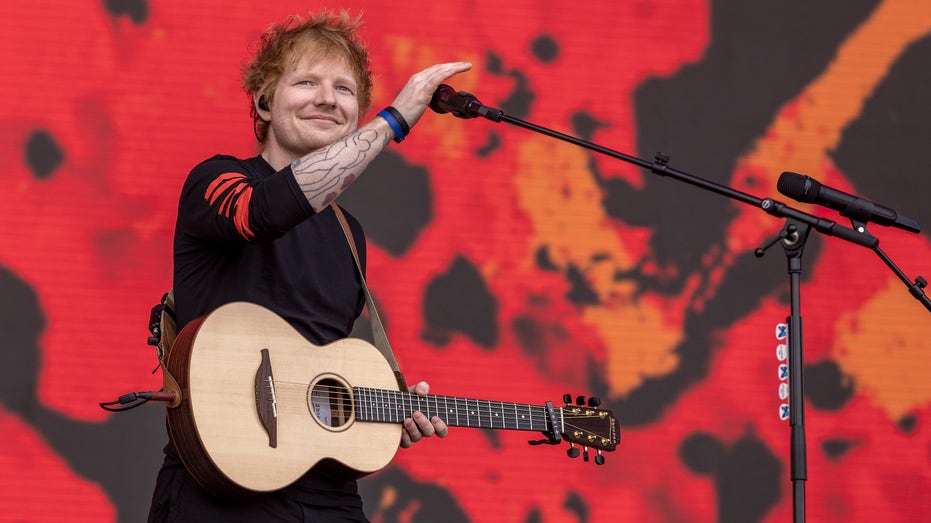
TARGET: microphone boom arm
(660,166)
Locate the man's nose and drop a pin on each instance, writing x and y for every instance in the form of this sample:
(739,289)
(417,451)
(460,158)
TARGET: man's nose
(326,95)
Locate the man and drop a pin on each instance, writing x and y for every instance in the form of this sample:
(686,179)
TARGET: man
(261,230)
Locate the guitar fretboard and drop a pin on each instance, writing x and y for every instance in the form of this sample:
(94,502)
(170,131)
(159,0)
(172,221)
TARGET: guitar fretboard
(392,406)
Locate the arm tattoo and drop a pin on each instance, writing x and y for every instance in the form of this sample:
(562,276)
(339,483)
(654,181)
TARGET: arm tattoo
(325,174)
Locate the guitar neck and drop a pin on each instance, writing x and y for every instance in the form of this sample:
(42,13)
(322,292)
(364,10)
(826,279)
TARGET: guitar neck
(392,406)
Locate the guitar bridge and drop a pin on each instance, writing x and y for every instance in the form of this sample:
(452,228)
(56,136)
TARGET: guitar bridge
(266,404)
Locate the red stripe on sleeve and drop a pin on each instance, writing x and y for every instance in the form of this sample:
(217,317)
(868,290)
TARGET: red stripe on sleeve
(234,195)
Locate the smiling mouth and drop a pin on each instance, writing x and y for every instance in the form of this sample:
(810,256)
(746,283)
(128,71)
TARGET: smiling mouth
(322,119)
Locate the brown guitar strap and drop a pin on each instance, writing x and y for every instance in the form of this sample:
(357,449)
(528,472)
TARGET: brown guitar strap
(378,330)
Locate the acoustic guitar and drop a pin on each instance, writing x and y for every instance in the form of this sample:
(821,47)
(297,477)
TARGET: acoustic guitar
(260,405)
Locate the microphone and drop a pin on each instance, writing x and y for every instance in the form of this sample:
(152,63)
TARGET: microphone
(460,104)
(808,190)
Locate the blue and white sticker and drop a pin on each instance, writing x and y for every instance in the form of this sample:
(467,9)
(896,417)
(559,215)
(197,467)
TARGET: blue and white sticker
(783,372)
(782,331)
(784,411)
(783,391)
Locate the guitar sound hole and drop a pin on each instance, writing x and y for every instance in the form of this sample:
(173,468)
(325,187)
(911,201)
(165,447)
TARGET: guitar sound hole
(330,402)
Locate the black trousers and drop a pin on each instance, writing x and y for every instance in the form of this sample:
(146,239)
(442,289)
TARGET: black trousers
(178,498)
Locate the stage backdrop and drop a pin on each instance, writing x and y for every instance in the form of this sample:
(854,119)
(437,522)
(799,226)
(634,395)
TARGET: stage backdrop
(507,265)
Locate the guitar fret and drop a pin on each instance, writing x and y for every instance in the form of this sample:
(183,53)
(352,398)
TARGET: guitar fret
(402,409)
(420,403)
(359,396)
(450,411)
(383,405)
(402,406)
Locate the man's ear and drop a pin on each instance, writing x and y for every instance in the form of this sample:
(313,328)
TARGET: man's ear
(261,103)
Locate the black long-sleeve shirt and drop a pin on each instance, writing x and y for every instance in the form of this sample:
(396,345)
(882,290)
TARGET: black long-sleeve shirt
(245,232)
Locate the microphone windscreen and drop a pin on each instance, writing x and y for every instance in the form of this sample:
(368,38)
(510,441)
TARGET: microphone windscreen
(797,187)
(439,98)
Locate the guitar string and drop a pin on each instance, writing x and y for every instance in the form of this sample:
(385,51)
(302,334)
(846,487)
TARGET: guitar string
(402,395)
(301,408)
(484,413)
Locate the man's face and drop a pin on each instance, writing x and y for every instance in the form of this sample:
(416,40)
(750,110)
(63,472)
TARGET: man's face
(315,104)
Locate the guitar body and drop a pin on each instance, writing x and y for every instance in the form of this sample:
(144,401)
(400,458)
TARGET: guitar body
(218,427)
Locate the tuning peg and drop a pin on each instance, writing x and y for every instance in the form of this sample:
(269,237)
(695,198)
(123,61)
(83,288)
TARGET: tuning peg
(599,459)
(567,398)
(572,451)
(580,401)
(585,454)
(593,402)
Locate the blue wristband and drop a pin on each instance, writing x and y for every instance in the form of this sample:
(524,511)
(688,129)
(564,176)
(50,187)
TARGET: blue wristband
(394,123)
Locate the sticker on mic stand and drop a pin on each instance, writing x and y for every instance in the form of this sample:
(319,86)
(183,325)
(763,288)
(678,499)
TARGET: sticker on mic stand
(782,352)
(782,331)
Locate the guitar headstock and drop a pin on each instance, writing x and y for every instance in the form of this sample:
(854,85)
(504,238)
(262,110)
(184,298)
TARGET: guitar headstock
(585,425)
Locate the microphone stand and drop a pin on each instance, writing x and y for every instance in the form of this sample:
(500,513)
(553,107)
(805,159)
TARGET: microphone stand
(793,237)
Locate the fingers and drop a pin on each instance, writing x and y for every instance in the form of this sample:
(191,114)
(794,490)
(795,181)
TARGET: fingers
(421,389)
(411,433)
(439,426)
(414,97)
(419,426)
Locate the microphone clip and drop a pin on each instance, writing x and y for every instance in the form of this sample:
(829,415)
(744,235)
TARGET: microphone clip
(790,236)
